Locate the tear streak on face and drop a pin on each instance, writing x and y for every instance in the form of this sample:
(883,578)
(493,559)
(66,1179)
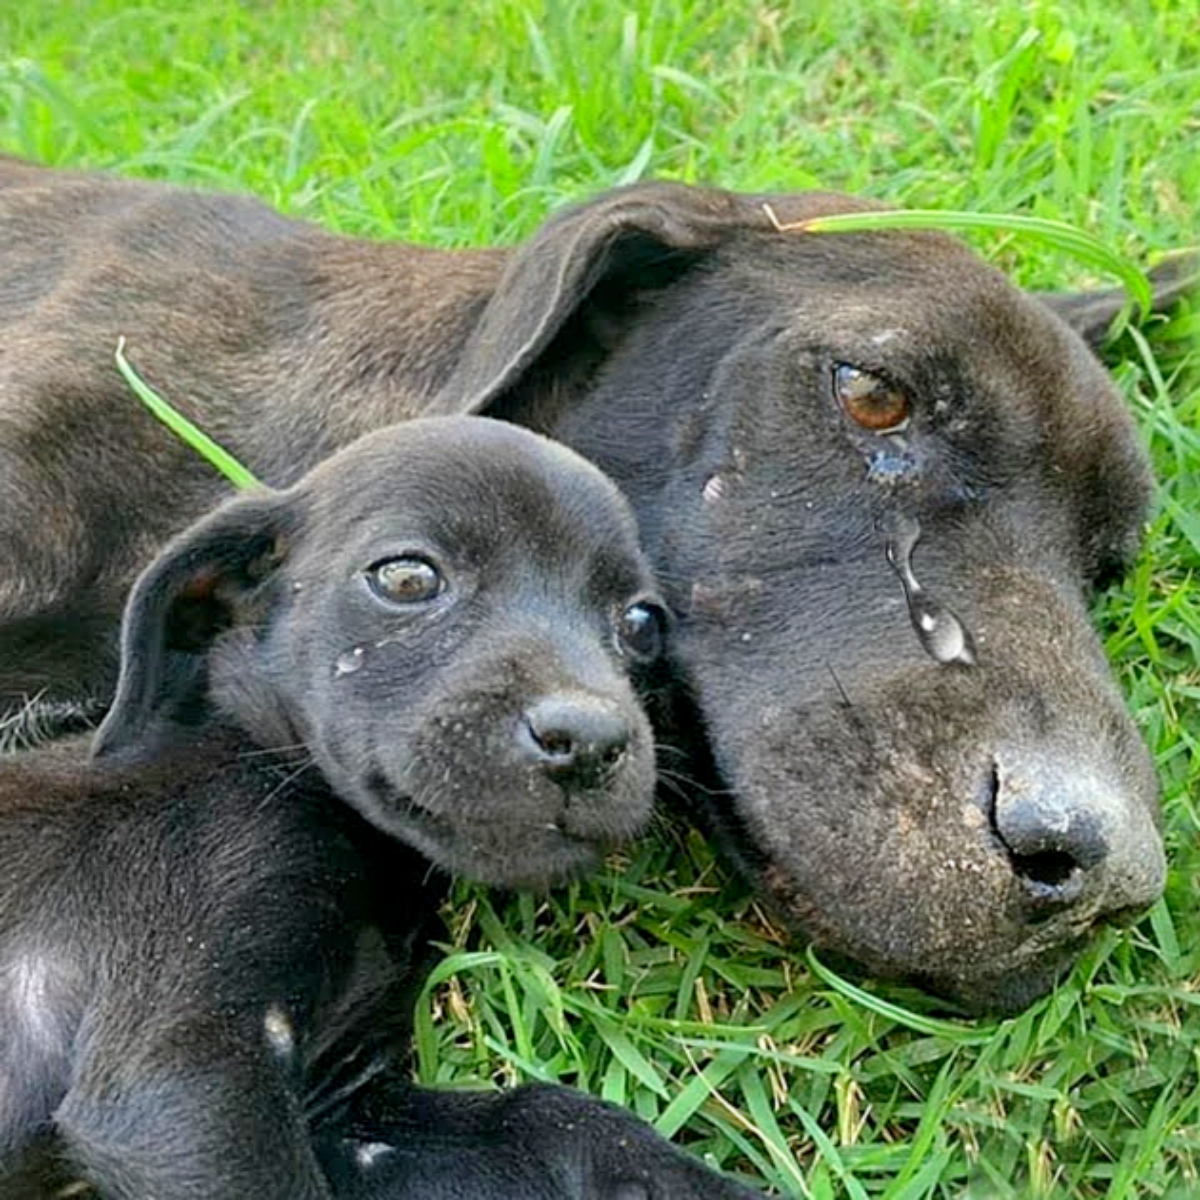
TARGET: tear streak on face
(942,635)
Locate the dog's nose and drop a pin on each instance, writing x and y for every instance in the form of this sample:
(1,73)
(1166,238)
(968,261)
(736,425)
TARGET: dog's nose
(1071,834)
(576,738)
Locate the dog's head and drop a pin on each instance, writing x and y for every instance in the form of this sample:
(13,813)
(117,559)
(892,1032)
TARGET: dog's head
(878,482)
(446,617)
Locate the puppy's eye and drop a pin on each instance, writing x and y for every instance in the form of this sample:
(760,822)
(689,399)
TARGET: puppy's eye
(404,580)
(641,631)
(870,401)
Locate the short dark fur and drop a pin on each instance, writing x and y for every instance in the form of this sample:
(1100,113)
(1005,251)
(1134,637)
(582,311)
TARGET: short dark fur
(212,935)
(677,338)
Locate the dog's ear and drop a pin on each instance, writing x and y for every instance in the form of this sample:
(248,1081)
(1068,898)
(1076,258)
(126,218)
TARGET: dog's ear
(1091,314)
(197,587)
(643,235)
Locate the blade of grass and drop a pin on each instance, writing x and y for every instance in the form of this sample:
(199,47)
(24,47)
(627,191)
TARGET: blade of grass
(189,434)
(962,1034)
(1079,245)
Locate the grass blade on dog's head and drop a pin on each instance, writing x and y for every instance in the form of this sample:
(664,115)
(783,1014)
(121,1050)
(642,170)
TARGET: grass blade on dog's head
(1079,245)
(188,433)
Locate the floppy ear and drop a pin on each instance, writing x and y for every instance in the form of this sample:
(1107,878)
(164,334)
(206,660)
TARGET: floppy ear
(1091,314)
(646,233)
(196,588)
(644,236)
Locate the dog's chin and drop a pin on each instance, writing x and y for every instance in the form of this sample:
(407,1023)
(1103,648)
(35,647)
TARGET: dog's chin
(529,860)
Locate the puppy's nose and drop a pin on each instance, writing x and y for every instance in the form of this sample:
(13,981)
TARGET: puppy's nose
(576,738)
(1071,835)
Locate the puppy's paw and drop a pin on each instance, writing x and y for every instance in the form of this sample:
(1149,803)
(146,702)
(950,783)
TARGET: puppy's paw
(533,1143)
(597,1151)
(40,720)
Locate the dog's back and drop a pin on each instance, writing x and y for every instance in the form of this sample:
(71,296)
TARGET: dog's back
(285,342)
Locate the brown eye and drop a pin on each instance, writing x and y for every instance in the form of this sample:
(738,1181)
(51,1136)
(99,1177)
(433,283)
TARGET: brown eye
(404,580)
(870,401)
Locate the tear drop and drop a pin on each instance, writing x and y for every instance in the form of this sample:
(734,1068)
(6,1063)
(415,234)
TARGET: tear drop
(281,1037)
(942,635)
(350,662)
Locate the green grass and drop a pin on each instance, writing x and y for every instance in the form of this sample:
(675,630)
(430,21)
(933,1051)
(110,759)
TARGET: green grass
(659,984)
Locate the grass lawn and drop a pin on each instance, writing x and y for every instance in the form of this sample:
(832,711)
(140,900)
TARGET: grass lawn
(658,984)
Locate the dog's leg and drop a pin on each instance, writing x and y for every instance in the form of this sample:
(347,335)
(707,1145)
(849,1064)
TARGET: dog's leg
(57,673)
(214,1124)
(55,645)
(533,1143)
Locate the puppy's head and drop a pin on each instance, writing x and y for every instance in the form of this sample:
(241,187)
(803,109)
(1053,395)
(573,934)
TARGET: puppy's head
(446,617)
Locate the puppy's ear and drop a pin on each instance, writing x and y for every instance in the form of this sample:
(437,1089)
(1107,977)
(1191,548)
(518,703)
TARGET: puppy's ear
(198,586)
(1091,314)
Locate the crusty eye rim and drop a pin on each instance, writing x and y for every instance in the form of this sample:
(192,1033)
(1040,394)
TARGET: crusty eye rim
(406,580)
(641,631)
(869,400)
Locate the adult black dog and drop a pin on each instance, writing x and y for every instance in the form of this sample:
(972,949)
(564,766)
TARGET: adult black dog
(778,406)
(212,937)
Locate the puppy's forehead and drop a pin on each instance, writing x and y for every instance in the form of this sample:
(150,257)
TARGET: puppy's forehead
(471,480)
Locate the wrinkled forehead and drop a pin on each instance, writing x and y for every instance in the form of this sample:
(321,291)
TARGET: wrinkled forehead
(877,279)
(907,301)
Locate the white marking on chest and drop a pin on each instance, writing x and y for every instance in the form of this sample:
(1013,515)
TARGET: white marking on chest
(281,1037)
(369,1153)
(714,489)
(34,985)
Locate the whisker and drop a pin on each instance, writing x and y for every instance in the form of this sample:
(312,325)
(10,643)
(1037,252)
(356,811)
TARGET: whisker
(665,748)
(672,786)
(838,684)
(263,750)
(680,779)
(287,780)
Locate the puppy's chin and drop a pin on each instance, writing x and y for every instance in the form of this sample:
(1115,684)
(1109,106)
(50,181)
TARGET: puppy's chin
(537,860)
(491,847)
(504,822)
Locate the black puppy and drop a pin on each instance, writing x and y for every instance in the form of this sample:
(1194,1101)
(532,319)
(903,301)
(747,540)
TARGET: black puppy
(203,947)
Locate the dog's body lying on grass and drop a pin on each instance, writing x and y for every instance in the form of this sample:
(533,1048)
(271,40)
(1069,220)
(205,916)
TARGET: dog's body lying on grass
(212,935)
(769,401)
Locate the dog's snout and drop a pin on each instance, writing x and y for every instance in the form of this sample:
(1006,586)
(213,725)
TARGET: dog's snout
(576,738)
(1072,834)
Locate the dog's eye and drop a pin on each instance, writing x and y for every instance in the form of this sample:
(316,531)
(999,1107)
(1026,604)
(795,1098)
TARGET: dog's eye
(870,401)
(404,580)
(641,630)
